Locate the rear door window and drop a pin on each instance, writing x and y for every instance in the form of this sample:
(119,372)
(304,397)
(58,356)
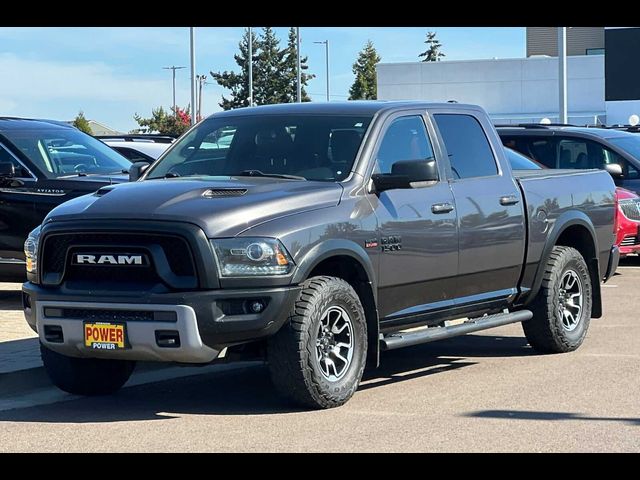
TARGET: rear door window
(470,154)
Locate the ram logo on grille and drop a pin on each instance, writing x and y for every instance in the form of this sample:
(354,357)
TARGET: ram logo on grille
(109,259)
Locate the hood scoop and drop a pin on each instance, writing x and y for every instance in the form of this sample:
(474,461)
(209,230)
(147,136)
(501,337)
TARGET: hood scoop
(224,192)
(103,191)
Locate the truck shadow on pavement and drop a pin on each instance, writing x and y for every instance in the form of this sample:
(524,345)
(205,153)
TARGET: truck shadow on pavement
(546,416)
(248,390)
(11,299)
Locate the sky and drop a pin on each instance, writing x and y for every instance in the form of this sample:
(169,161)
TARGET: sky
(111,73)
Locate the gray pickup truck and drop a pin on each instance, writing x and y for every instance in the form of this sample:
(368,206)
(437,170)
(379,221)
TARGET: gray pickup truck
(317,236)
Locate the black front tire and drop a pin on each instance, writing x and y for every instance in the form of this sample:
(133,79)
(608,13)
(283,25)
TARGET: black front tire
(292,353)
(545,331)
(85,376)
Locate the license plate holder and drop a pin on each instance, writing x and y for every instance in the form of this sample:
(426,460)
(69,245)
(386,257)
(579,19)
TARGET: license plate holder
(107,336)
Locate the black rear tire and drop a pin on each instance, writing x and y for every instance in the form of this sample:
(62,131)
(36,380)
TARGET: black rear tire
(303,366)
(85,376)
(551,330)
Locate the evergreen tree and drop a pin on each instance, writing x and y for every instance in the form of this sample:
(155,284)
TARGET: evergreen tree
(268,90)
(364,86)
(82,124)
(432,53)
(238,83)
(289,72)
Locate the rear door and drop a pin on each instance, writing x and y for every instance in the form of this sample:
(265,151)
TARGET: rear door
(491,221)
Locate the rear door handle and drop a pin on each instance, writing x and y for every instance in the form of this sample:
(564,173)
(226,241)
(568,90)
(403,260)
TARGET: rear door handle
(509,200)
(441,208)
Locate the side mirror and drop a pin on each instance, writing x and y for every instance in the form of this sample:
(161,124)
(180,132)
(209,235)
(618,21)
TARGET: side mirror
(7,170)
(404,173)
(614,169)
(137,169)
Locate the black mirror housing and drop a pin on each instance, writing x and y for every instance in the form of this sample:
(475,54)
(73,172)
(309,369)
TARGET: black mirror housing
(417,170)
(137,169)
(7,170)
(404,173)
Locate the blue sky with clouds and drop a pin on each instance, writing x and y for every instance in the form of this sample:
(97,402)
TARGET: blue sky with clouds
(113,72)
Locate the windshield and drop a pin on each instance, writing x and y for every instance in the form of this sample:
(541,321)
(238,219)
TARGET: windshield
(520,162)
(311,147)
(630,144)
(60,152)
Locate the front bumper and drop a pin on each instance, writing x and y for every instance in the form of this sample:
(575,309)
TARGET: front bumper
(205,321)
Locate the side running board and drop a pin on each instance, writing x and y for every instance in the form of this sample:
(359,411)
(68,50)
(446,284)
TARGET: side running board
(431,334)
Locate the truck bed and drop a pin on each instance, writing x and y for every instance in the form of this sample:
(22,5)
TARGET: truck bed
(585,195)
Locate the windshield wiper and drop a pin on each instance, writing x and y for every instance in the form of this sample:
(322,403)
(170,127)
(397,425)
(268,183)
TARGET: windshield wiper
(258,173)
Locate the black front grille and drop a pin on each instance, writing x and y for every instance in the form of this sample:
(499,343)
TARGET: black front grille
(57,250)
(108,315)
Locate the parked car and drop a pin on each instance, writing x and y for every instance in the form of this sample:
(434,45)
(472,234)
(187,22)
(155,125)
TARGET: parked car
(518,161)
(627,222)
(138,147)
(44,163)
(627,217)
(556,146)
(321,261)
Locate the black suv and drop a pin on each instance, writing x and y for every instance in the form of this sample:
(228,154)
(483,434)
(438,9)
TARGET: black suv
(557,146)
(44,163)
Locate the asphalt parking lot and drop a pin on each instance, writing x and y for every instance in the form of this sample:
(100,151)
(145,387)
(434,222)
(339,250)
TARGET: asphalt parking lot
(479,393)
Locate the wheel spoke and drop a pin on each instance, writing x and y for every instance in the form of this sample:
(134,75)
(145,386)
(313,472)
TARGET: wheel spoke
(334,343)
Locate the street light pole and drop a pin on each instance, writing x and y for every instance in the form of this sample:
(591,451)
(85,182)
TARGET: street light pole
(562,73)
(250,68)
(299,73)
(326,44)
(192,43)
(173,68)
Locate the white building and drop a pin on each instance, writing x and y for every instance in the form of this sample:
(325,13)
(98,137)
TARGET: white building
(511,90)
(602,88)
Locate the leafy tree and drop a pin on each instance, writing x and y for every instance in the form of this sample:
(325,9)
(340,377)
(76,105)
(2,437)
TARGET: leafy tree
(365,84)
(164,123)
(432,53)
(82,124)
(238,83)
(289,72)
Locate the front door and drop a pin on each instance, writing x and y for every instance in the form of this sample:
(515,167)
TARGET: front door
(490,211)
(17,211)
(418,232)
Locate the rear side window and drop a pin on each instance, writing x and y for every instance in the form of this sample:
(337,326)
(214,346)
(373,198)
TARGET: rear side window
(469,151)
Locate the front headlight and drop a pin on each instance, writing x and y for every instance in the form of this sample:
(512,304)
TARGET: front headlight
(31,250)
(243,257)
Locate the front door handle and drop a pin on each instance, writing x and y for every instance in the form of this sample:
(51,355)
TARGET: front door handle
(441,208)
(509,200)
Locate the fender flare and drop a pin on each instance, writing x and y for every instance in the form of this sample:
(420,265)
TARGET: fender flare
(332,248)
(564,221)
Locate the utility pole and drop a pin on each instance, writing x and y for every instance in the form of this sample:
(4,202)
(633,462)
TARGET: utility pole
(192,44)
(250,68)
(326,44)
(562,73)
(201,81)
(173,68)
(299,73)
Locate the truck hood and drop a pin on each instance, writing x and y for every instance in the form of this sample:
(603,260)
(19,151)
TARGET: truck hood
(221,206)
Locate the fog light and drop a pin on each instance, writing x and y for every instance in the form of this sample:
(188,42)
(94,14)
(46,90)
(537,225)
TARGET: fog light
(256,306)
